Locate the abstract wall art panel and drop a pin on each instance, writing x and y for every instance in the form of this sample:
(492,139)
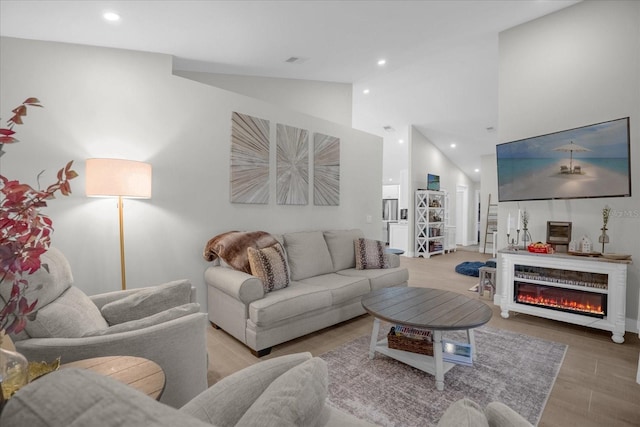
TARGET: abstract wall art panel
(326,170)
(249,159)
(292,165)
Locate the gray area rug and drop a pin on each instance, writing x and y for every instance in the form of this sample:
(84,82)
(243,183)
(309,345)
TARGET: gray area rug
(511,368)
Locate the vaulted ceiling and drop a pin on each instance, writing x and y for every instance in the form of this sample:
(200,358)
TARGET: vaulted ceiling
(441,71)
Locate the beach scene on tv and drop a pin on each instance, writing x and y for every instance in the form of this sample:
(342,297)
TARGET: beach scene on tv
(590,161)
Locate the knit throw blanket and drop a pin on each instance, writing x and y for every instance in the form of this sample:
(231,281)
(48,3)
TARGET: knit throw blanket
(232,247)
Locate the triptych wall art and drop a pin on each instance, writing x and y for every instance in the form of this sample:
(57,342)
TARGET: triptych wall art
(250,164)
(249,159)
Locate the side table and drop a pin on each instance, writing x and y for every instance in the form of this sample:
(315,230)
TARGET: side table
(142,374)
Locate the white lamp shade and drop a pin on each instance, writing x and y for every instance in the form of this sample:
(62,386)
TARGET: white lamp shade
(117,177)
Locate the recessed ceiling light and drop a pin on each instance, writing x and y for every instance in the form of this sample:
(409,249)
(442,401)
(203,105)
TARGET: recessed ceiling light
(111,16)
(401,141)
(382,62)
(453,145)
(366,91)
(476,170)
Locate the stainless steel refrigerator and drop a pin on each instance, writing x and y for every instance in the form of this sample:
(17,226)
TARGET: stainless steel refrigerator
(389,215)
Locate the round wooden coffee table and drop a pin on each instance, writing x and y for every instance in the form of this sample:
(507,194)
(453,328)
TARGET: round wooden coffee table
(142,374)
(424,308)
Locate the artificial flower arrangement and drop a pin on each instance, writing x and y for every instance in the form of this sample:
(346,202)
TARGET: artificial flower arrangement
(25,232)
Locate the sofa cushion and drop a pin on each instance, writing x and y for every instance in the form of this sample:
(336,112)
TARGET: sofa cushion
(232,247)
(463,413)
(147,302)
(71,315)
(270,265)
(295,398)
(380,278)
(155,319)
(343,288)
(296,299)
(308,254)
(369,254)
(340,244)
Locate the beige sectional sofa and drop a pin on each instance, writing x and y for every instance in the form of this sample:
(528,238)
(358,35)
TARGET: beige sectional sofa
(325,289)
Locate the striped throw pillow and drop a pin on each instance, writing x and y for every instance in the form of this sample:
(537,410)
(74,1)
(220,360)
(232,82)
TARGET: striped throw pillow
(270,265)
(370,254)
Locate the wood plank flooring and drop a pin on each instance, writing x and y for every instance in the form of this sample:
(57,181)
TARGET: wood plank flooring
(595,387)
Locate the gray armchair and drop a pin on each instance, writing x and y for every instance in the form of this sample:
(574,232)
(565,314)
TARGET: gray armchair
(161,323)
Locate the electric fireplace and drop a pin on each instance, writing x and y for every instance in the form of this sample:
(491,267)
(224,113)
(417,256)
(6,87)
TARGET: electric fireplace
(580,290)
(555,298)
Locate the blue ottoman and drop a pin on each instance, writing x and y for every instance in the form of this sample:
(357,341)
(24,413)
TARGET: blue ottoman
(470,268)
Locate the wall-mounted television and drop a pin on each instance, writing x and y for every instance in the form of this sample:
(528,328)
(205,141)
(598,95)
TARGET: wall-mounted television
(585,162)
(433,182)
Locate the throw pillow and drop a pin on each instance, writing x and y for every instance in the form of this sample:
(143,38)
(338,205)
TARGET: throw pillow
(270,266)
(147,302)
(295,398)
(370,254)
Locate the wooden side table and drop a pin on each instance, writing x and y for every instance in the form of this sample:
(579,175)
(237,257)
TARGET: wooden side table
(142,374)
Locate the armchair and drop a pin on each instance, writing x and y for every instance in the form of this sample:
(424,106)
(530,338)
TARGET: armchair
(161,323)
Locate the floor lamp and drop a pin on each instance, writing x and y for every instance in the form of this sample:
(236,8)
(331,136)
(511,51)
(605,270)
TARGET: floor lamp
(122,179)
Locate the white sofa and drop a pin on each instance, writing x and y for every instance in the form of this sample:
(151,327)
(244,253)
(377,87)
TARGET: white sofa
(325,289)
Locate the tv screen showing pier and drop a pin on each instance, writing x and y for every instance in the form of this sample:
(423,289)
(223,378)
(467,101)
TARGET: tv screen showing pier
(586,162)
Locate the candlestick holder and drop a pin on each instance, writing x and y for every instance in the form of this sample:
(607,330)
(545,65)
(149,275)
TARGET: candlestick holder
(513,244)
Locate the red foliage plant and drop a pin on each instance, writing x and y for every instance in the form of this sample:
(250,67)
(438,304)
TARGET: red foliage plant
(25,232)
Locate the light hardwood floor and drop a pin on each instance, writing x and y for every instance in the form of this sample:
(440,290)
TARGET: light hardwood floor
(595,387)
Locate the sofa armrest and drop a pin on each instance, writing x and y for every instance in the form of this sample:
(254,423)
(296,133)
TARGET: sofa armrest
(225,402)
(178,346)
(393,260)
(500,415)
(237,284)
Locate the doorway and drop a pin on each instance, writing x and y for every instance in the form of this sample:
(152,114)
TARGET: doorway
(462,214)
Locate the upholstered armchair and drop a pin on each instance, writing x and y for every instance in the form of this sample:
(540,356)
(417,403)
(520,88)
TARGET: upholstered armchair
(161,323)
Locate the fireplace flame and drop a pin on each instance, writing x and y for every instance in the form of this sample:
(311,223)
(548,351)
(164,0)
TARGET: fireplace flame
(561,303)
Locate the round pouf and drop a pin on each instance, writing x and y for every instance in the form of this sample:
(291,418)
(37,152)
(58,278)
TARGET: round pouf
(470,268)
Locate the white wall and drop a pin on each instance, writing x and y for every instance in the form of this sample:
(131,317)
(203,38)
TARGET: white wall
(114,103)
(326,100)
(425,158)
(576,67)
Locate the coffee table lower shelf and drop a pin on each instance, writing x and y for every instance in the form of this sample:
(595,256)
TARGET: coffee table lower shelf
(419,361)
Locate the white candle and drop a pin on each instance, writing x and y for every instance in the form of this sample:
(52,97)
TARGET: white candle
(509,225)
(518,223)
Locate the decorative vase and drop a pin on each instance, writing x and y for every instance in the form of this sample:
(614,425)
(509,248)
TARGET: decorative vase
(14,372)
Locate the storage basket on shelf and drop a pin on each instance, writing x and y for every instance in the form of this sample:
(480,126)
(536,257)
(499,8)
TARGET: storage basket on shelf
(414,345)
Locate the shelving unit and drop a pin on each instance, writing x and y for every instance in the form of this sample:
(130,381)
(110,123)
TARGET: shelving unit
(596,276)
(430,226)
